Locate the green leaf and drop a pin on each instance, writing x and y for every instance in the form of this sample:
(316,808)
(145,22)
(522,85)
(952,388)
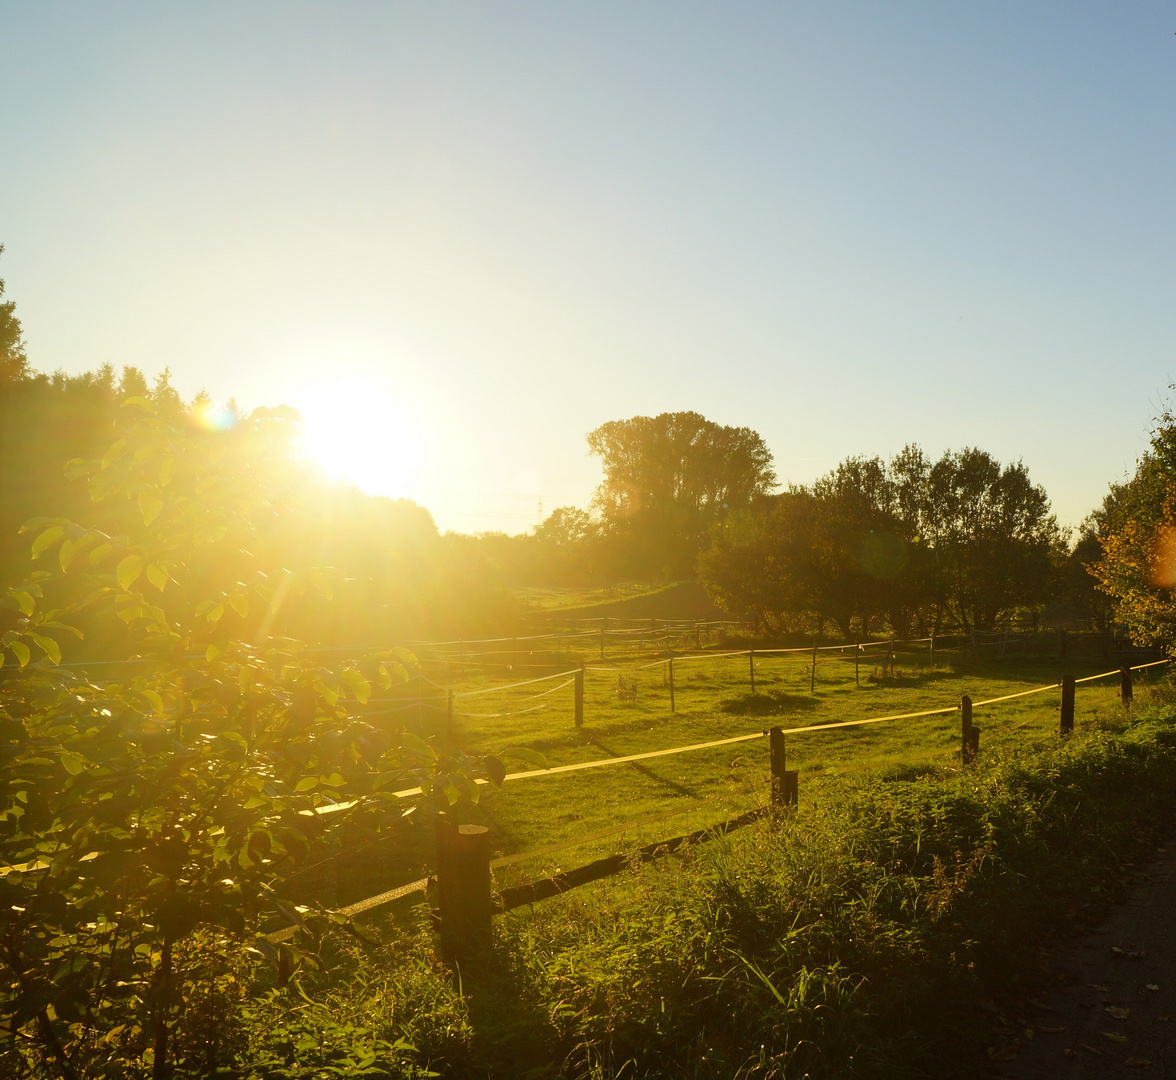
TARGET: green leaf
(128,571)
(413,744)
(155,700)
(99,553)
(213,651)
(167,471)
(72,762)
(325,692)
(240,604)
(157,575)
(71,549)
(495,770)
(114,453)
(139,403)
(214,613)
(359,685)
(24,601)
(48,646)
(49,536)
(531,757)
(306,783)
(150,505)
(334,780)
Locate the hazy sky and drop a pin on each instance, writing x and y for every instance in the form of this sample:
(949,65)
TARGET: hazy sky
(461,235)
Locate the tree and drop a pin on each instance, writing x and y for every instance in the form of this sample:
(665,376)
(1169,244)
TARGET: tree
(911,539)
(170,798)
(669,478)
(993,538)
(1136,529)
(13,362)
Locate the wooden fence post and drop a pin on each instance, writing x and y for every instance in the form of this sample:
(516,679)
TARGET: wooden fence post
(580,696)
(813,672)
(857,656)
(603,624)
(1126,690)
(932,662)
(969,733)
(890,657)
(463,888)
(751,666)
(1067,720)
(785,781)
(697,638)
(671,666)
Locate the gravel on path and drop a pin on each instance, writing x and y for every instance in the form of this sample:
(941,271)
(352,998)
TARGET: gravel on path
(1109,1009)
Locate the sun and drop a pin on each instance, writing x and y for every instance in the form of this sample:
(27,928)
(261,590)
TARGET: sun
(357,432)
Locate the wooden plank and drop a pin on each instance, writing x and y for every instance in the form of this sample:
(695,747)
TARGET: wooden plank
(518,895)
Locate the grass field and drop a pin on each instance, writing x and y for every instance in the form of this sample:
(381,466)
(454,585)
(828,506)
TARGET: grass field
(627,711)
(878,933)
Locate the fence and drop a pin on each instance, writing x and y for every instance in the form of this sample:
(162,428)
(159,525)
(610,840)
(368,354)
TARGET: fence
(466,899)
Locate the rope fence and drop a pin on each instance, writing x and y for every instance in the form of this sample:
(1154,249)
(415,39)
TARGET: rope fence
(471,906)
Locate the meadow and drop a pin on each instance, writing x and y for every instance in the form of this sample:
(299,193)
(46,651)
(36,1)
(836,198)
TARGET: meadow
(882,930)
(544,824)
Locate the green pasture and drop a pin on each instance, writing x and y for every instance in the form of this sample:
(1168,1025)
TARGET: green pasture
(627,711)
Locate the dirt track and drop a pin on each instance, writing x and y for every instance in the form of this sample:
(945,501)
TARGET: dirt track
(1110,1008)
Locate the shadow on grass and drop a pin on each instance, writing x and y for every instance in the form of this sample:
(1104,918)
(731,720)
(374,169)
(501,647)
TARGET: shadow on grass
(673,785)
(773,703)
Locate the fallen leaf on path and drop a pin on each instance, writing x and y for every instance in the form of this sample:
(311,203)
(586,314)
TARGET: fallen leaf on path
(1113,1036)
(1096,986)
(1151,986)
(1138,1063)
(1092,1049)
(1116,1012)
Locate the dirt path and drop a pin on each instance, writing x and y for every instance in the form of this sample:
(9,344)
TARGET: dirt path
(1110,1010)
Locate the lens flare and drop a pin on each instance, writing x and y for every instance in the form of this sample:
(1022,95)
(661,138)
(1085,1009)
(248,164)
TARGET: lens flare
(1164,559)
(213,417)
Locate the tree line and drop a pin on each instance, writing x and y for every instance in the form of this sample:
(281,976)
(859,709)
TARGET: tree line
(912,543)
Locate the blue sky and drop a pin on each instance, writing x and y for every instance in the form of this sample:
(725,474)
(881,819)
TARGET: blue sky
(461,235)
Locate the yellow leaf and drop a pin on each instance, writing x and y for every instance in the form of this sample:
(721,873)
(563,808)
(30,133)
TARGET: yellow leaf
(24,601)
(215,612)
(99,553)
(213,651)
(157,575)
(150,505)
(167,471)
(21,651)
(240,604)
(129,570)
